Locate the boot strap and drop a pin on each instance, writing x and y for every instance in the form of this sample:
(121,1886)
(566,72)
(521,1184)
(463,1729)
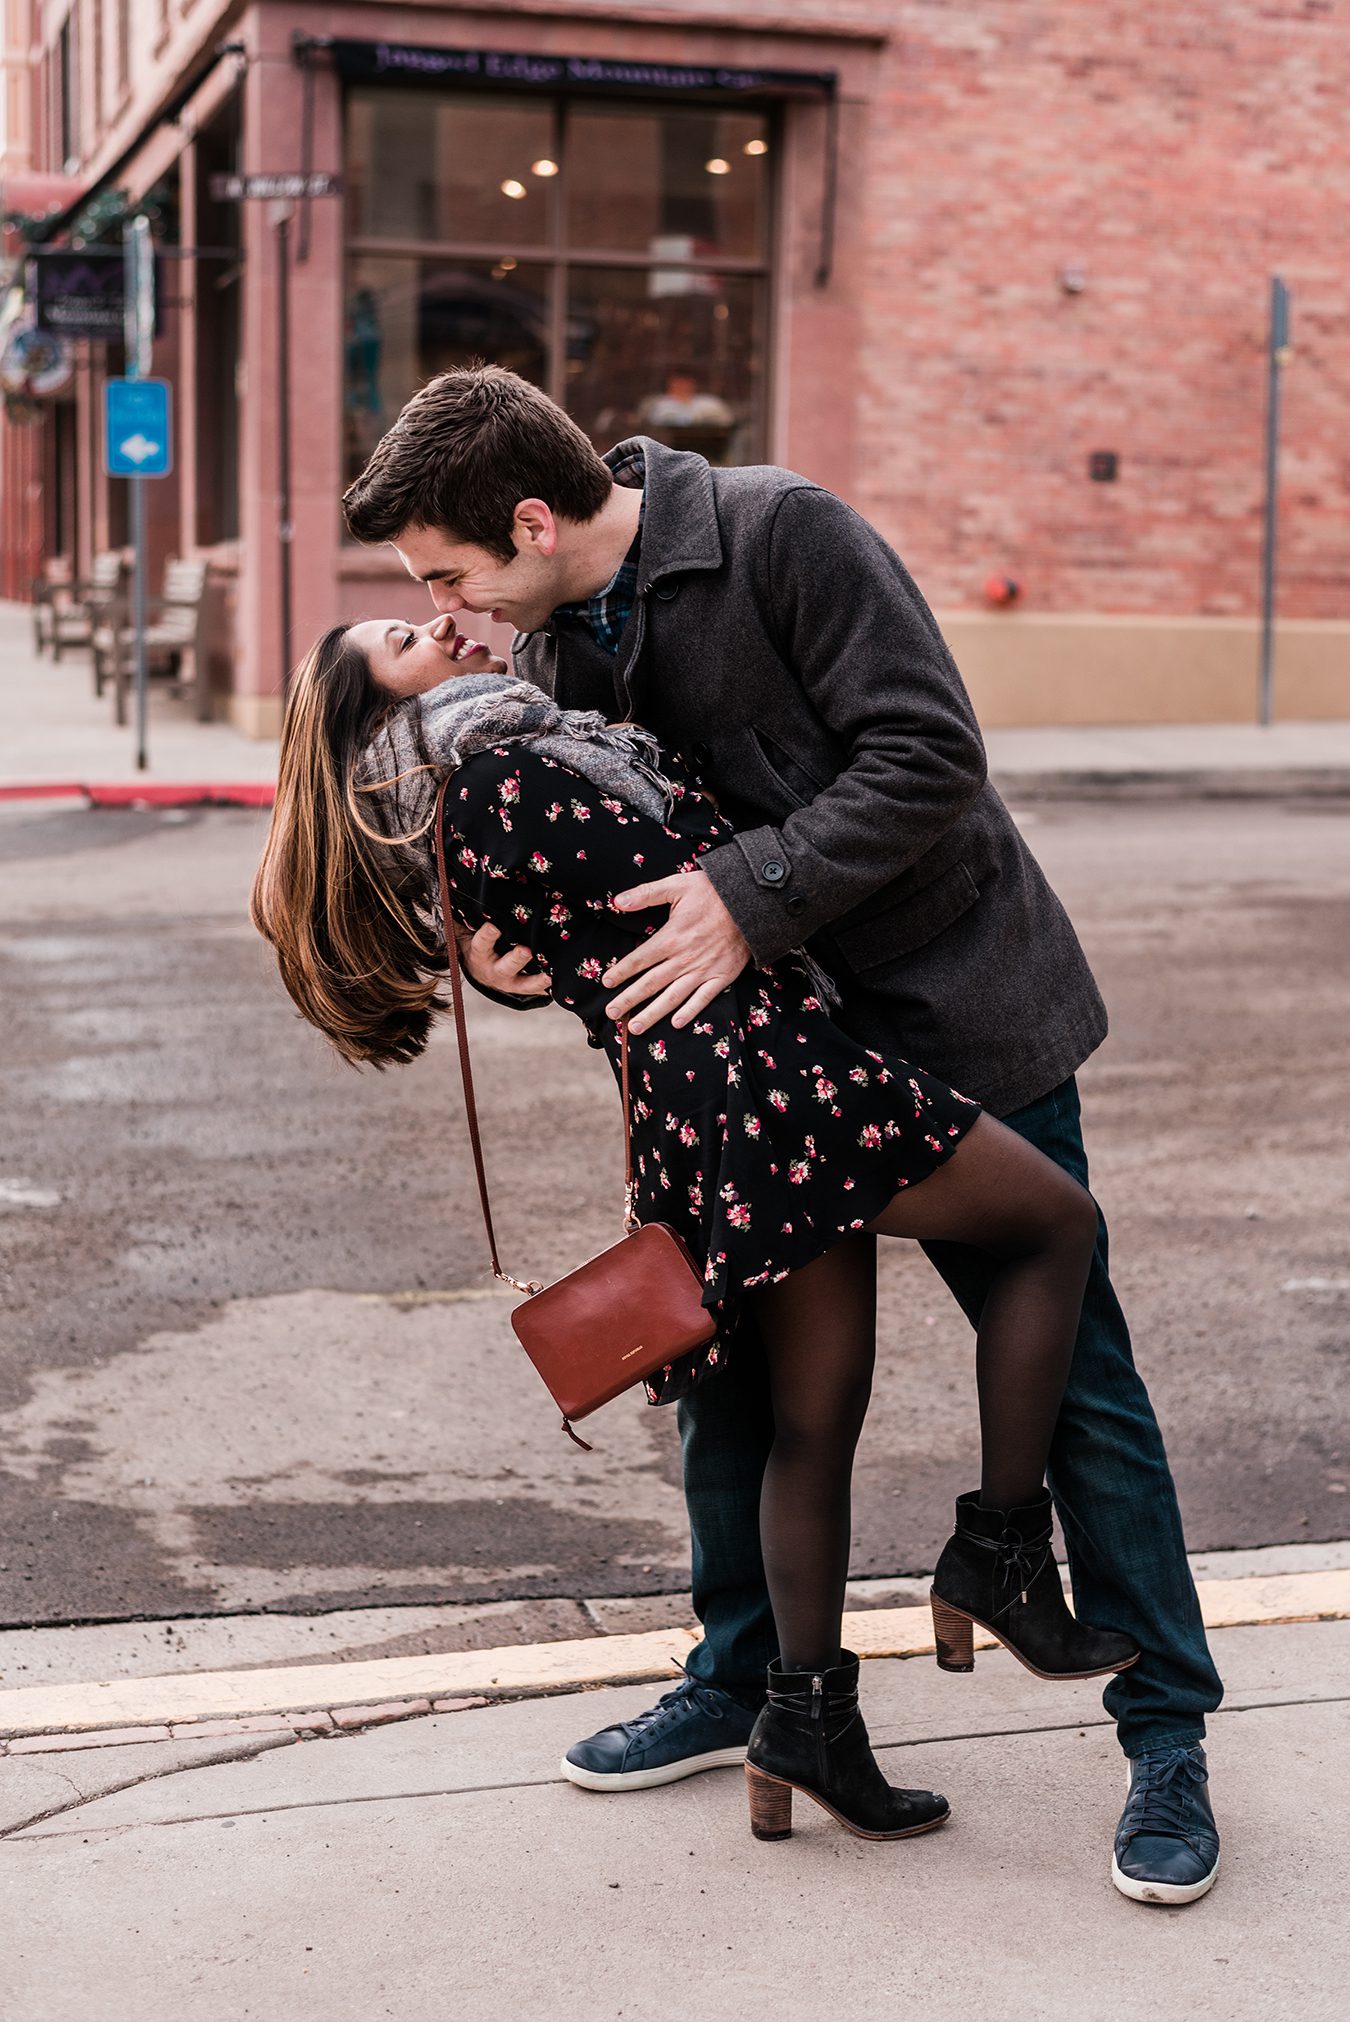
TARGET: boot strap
(800,1702)
(1017,1559)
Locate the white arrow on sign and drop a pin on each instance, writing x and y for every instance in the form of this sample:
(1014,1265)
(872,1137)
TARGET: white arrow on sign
(139,448)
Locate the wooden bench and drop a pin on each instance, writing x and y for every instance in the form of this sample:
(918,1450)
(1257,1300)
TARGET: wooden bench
(175,642)
(50,593)
(75,612)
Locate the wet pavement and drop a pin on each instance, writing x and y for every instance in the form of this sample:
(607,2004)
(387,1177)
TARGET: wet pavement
(251,1361)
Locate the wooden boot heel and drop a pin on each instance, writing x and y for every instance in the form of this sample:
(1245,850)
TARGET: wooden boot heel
(770,1805)
(955,1637)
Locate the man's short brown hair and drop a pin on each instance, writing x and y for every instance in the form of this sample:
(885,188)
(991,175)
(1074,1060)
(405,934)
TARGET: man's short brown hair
(463,454)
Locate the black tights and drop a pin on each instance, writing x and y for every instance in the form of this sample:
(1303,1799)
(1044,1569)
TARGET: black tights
(997,1194)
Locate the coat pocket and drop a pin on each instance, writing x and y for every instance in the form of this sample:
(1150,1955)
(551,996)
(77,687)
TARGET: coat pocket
(798,787)
(902,928)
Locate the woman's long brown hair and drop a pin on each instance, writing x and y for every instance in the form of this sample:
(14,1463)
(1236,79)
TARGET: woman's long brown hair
(343,905)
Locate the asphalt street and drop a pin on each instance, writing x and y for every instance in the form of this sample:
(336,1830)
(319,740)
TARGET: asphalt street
(251,1357)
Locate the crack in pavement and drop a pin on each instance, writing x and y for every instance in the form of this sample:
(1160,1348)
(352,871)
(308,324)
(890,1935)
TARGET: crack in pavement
(264,1743)
(546,1782)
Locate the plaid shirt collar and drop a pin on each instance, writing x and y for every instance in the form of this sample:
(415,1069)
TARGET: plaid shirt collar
(608,611)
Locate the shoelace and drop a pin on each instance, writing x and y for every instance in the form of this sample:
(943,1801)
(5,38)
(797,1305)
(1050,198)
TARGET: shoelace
(1160,1796)
(647,1723)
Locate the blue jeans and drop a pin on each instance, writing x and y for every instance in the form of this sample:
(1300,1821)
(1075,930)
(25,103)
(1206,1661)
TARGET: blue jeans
(1108,1474)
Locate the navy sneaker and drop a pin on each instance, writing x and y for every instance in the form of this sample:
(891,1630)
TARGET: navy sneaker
(1167,1845)
(692,1728)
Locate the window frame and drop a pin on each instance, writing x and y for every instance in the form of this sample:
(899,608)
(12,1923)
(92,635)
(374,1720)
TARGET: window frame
(559,257)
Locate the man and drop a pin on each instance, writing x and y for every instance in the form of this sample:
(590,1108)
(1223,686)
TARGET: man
(759,625)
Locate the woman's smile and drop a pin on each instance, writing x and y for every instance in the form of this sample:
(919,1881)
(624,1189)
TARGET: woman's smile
(407,659)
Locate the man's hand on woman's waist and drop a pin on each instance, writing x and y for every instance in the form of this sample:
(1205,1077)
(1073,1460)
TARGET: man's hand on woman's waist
(696,955)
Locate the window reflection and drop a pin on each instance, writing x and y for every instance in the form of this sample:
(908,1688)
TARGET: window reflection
(671,354)
(452,167)
(409,319)
(636,174)
(522,205)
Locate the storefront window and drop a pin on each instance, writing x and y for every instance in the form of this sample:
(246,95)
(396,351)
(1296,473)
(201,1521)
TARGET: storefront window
(615,254)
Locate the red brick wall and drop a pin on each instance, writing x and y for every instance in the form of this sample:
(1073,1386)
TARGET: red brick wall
(1179,153)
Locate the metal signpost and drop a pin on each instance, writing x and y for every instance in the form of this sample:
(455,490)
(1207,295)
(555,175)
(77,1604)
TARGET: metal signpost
(137,442)
(1279,352)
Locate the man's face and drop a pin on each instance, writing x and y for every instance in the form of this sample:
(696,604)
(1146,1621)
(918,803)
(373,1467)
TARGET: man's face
(521,593)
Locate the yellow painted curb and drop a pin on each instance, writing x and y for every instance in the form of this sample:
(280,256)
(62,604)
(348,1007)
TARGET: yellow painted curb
(528,1669)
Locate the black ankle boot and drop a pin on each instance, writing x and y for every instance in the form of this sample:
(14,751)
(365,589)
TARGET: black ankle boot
(998,1572)
(811,1737)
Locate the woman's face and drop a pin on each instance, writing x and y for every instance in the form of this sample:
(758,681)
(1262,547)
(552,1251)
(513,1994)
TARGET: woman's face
(408,659)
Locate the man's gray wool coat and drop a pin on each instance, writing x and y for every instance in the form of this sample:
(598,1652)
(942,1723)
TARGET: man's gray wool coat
(780,644)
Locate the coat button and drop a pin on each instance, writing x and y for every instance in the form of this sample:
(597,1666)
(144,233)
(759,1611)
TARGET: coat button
(667,592)
(700,753)
(795,903)
(773,872)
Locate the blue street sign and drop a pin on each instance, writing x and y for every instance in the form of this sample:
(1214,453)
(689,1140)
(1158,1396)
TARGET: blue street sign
(138,432)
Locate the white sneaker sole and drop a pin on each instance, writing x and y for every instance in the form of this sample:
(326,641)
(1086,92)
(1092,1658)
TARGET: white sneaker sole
(1162,1892)
(648,1779)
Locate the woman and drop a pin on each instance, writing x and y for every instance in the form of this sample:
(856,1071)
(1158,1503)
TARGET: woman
(772,1142)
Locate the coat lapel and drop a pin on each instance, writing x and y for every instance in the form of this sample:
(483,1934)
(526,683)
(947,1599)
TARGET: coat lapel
(679,534)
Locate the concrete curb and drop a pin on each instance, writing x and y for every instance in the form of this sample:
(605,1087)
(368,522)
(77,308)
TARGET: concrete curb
(1328,782)
(316,1696)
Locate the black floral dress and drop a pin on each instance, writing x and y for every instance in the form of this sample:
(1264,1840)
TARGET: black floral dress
(761,1131)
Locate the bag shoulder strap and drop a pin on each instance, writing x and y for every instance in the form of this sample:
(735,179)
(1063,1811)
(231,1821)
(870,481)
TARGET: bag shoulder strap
(630,1221)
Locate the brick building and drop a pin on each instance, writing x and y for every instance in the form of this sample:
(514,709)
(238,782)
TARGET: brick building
(947,258)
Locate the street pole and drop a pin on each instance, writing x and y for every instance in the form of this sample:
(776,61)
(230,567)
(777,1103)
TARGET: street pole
(138,324)
(1278,352)
(285,528)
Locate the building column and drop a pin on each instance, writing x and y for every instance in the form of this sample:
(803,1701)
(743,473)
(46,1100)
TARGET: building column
(273,91)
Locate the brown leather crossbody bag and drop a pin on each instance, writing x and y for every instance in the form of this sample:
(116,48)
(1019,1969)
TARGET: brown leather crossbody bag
(628,1312)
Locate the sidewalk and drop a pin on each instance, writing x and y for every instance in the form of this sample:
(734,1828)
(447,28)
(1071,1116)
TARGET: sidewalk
(53,733)
(1197,760)
(440,1867)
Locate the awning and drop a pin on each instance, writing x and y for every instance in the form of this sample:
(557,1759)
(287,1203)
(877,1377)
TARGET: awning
(35,195)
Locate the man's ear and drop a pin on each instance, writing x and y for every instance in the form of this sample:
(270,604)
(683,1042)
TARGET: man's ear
(534,526)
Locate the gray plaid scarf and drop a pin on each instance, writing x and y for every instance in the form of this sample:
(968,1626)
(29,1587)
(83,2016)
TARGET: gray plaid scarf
(443,727)
(473,712)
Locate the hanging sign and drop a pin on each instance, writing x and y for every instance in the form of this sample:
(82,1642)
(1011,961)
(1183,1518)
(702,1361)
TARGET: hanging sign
(78,294)
(232,189)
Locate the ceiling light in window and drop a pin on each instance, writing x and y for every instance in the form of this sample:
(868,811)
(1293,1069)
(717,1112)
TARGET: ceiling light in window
(544,167)
(755,147)
(507,266)
(511,188)
(720,312)
(718,167)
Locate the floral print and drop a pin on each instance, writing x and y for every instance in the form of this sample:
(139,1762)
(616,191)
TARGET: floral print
(762,1105)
